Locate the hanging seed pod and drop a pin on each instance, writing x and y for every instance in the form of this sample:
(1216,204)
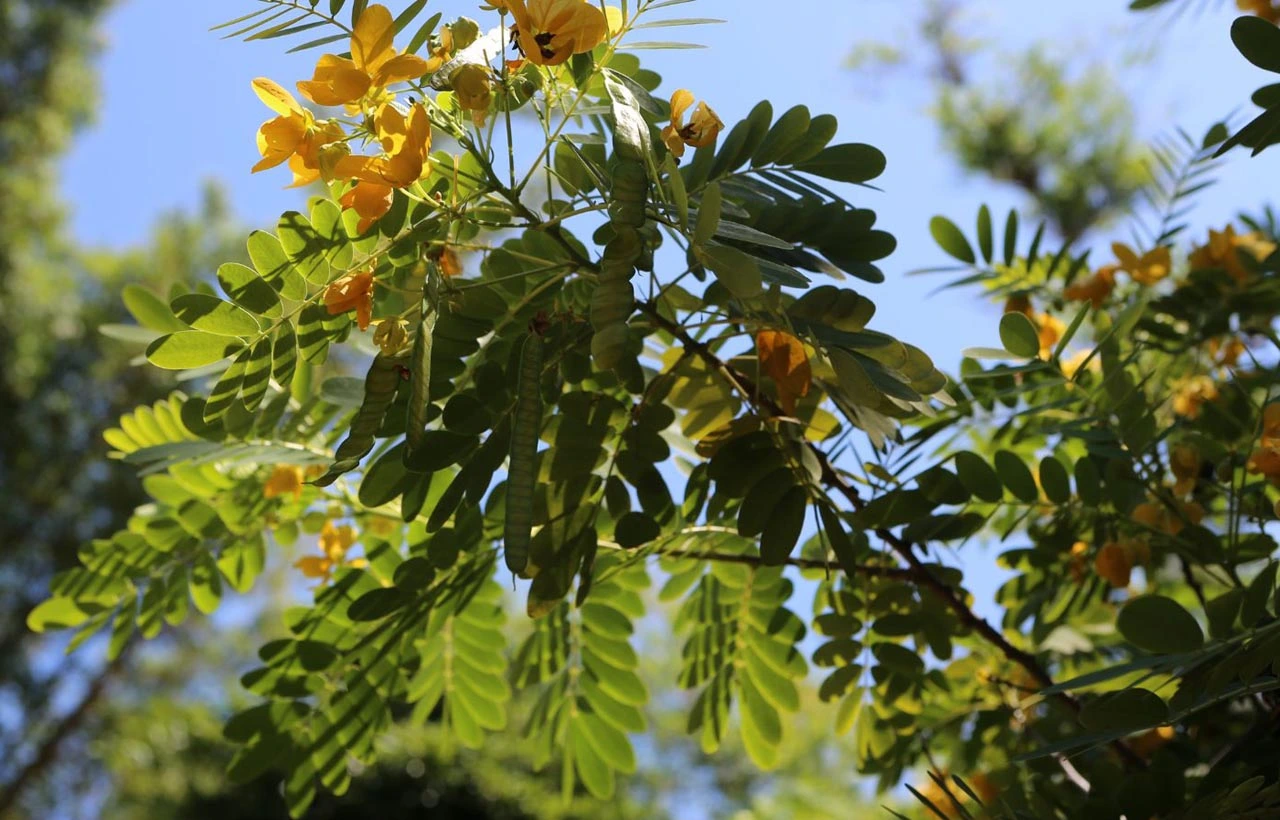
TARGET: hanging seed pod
(420,366)
(379,391)
(613,299)
(522,468)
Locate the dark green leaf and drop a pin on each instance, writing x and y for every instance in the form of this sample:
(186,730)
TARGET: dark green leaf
(1160,625)
(951,239)
(1019,336)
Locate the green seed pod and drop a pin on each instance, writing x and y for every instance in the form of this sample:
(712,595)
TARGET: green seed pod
(420,369)
(609,345)
(521,470)
(613,299)
(628,194)
(379,391)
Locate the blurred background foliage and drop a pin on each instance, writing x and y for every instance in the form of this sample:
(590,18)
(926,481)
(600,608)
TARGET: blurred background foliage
(142,737)
(1052,120)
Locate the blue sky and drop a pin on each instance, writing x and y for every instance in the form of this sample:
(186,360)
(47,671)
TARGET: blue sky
(177,110)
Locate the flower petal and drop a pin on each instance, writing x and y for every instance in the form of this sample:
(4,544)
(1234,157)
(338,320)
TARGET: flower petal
(1127,256)
(671,138)
(680,102)
(313,566)
(371,41)
(336,81)
(303,174)
(400,68)
(371,201)
(276,97)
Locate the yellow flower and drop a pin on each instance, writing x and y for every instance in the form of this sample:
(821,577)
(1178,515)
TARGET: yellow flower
(1271,425)
(703,128)
(391,336)
(1137,550)
(1222,252)
(1071,365)
(1266,458)
(451,39)
(447,258)
(1266,9)
(1190,393)
(548,32)
(1184,461)
(1147,269)
(1266,461)
(284,480)
(294,135)
(352,292)
(1051,330)
(406,139)
(472,90)
(442,52)
(1156,516)
(373,66)
(783,357)
(1077,560)
(1151,740)
(1228,353)
(1113,565)
(1095,289)
(370,200)
(334,544)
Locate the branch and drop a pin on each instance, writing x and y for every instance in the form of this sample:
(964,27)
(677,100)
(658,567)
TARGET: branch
(863,570)
(918,572)
(832,479)
(48,751)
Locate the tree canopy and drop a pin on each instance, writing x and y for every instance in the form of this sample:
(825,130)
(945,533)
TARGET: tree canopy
(621,407)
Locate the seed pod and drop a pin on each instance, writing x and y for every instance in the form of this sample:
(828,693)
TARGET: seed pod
(521,470)
(420,369)
(613,299)
(628,193)
(379,391)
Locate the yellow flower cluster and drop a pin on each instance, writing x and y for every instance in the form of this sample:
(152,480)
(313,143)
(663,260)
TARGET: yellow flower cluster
(1146,268)
(319,150)
(1226,353)
(1115,560)
(703,128)
(549,32)
(352,292)
(1114,563)
(335,542)
(284,480)
(1223,252)
(1266,457)
(1163,519)
(1094,289)
(288,480)
(1191,393)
